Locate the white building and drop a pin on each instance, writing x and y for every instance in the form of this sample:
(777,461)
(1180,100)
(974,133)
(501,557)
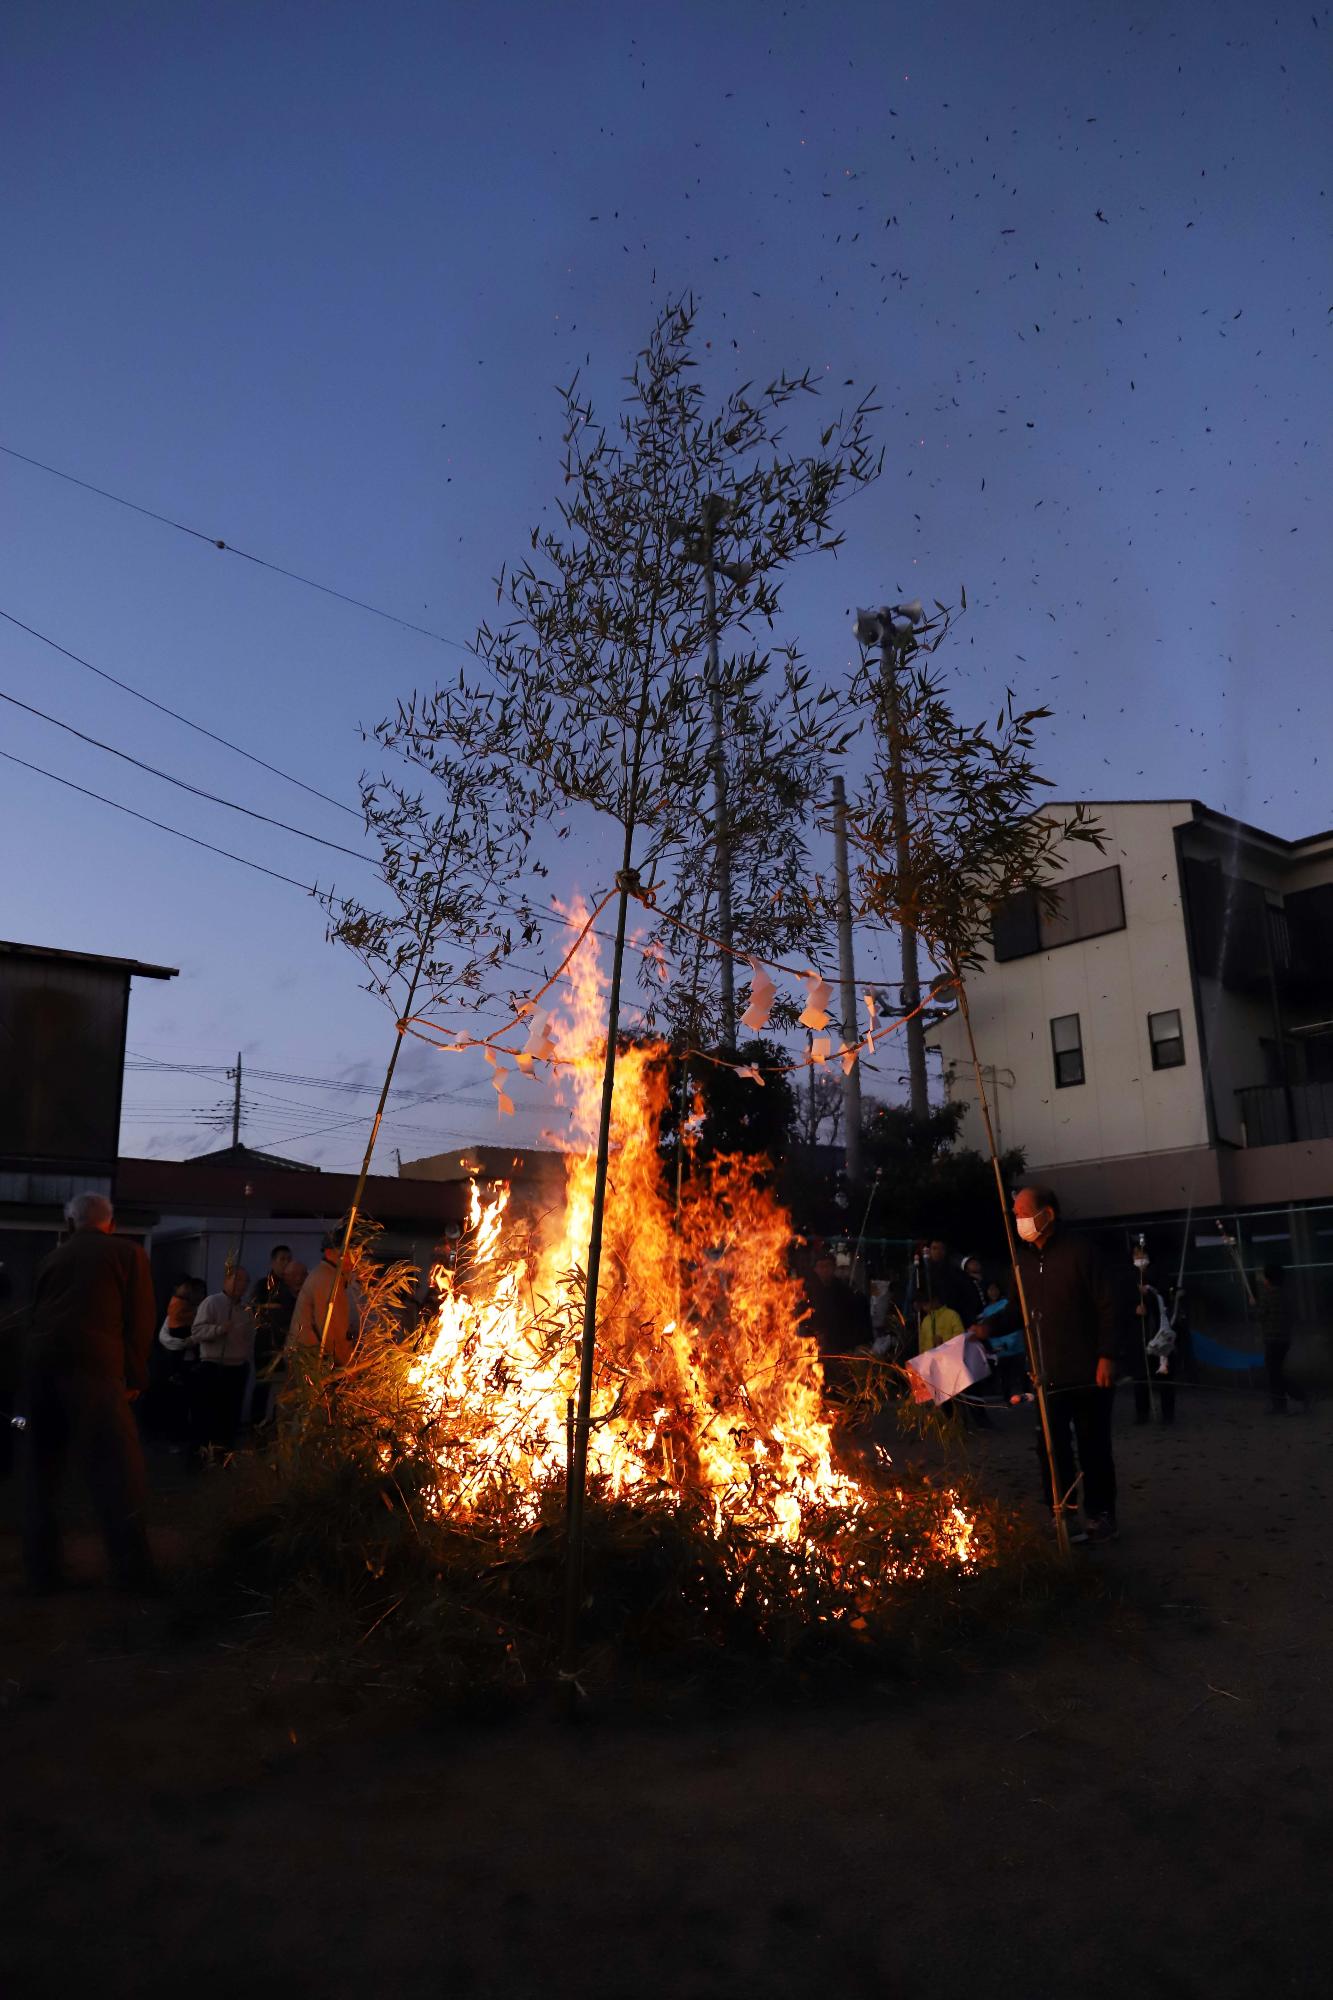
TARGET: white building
(1162,1042)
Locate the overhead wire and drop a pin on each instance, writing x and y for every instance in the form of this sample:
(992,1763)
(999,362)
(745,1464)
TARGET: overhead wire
(306,887)
(246,555)
(183,784)
(547,910)
(270,1105)
(231,548)
(176,716)
(219,543)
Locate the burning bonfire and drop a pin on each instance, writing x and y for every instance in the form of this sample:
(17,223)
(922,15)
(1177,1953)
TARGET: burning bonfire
(708,1399)
(419,1493)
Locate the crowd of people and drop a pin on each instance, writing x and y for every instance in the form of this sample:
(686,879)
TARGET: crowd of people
(960,1336)
(101,1373)
(219,1358)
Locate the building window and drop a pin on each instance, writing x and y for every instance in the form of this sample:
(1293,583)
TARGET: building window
(1067,1043)
(1087,906)
(1168,1042)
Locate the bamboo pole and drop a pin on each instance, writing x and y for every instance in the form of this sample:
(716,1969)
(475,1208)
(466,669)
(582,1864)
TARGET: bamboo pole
(628,883)
(851,1082)
(1143,1327)
(1034,1354)
(626,880)
(354,1209)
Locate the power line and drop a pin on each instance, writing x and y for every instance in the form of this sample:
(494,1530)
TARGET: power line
(283,1077)
(183,784)
(176,715)
(230,548)
(161,826)
(496,908)
(547,911)
(149,1063)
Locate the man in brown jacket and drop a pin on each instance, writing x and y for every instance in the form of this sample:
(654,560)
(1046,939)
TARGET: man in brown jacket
(92,1330)
(312,1304)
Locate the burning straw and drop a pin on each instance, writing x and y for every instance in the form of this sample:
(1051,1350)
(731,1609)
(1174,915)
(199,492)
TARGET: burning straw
(423,1487)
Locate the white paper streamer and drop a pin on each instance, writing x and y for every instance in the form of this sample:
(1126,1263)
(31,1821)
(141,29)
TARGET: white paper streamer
(817,994)
(538,1047)
(762,992)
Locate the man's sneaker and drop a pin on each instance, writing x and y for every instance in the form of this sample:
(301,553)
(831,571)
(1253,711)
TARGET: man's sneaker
(1101,1528)
(1075,1529)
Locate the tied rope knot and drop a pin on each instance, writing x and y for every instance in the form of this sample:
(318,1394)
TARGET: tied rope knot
(627,880)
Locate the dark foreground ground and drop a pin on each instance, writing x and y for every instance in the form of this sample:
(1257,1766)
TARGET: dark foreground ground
(1138,1807)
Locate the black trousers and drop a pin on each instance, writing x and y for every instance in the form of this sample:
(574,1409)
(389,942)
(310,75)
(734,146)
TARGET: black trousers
(1012,1370)
(1081,1440)
(1146,1379)
(216,1398)
(86,1419)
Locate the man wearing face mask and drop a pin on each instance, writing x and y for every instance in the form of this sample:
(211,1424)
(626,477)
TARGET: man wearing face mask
(1071,1304)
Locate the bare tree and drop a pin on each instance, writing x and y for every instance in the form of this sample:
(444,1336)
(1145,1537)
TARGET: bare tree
(820,1108)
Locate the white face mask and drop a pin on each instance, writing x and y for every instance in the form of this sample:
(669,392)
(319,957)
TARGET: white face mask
(1030,1227)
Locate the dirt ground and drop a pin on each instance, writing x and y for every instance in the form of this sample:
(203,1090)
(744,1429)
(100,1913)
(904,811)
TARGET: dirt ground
(1140,1805)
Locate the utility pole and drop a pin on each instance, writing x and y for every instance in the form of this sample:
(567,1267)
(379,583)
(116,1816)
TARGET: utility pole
(236,1104)
(891,628)
(851,1082)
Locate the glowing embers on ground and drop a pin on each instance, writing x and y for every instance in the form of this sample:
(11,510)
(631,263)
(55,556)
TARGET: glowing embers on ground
(705,1392)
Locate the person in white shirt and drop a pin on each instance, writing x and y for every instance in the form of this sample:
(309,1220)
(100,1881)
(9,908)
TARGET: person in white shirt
(223,1335)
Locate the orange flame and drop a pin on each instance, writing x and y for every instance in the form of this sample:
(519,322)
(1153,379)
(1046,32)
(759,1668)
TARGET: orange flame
(705,1390)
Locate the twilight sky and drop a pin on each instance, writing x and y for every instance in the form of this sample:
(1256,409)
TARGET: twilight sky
(303,277)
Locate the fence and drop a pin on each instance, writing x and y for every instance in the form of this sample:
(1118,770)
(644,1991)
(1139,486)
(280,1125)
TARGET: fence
(1216,1256)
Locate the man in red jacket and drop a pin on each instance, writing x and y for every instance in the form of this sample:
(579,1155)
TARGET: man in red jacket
(92,1330)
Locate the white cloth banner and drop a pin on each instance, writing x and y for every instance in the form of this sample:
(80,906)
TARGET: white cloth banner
(948,1370)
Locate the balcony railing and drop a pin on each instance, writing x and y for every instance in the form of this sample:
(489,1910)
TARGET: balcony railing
(1272,1114)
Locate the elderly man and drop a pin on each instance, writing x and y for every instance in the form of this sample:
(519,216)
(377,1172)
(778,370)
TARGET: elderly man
(224,1333)
(1072,1305)
(312,1304)
(92,1329)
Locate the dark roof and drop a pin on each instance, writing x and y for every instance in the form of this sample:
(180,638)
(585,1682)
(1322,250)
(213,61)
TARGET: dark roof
(247,1156)
(205,1187)
(1206,812)
(489,1163)
(1258,832)
(133,966)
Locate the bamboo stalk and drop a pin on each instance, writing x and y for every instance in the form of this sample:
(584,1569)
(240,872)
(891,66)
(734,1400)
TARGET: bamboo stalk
(587,1356)
(1034,1358)
(400,1030)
